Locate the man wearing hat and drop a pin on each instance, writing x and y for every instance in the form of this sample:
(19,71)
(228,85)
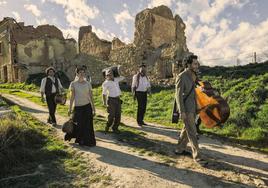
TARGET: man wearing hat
(111,99)
(50,86)
(140,88)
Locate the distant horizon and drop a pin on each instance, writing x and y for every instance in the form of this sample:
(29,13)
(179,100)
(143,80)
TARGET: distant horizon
(219,32)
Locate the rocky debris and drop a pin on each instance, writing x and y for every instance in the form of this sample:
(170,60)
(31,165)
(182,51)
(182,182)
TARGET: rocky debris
(91,44)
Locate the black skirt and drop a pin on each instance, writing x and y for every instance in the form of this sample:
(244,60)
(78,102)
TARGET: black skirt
(83,131)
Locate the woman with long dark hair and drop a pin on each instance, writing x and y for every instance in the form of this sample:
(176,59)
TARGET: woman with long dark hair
(84,110)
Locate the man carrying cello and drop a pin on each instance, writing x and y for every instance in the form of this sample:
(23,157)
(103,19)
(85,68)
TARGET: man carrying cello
(185,97)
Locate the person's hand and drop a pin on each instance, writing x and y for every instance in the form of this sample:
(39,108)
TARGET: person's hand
(93,111)
(183,116)
(69,112)
(105,104)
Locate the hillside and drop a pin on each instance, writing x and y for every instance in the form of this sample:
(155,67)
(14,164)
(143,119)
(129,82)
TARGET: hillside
(246,89)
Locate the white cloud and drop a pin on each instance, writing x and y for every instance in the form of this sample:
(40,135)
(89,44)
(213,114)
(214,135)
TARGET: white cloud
(16,16)
(126,40)
(205,10)
(226,45)
(33,9)
(122,18)
(155,3)
(217,7)
(78,12)
(213,39)
(42,21)
(3,2)
(103,34)
(70,33)
(200,33)
(191,8)
(224,24)
(125,5)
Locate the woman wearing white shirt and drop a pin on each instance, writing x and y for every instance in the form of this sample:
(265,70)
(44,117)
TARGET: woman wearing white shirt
(50,86)
(84,110)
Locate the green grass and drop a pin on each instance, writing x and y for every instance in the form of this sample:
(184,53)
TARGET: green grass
(28,146)
(23,86)
(247,94)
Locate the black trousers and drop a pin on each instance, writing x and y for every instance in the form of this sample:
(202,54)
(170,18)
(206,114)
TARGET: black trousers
(114,112)
(142,103)
(51,107)
(83,131)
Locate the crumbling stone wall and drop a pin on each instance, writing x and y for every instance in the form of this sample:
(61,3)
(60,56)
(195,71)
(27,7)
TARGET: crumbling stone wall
(159,41)
(5,56)
(117,43)
(38,54)
(31,50)
(89,43)
(156,26)
(23,33)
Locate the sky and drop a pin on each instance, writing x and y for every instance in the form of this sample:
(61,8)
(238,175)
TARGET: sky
(220,32)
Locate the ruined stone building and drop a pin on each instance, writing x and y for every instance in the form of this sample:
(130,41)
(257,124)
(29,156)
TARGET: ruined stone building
(26,50)
(159,40)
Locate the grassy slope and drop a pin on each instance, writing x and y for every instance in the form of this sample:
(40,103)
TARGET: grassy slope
(247,91)
(28,146)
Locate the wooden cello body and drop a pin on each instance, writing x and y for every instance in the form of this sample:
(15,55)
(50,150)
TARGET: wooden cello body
(213,109)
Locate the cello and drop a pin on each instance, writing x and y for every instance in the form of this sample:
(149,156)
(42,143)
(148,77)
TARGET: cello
(213,109)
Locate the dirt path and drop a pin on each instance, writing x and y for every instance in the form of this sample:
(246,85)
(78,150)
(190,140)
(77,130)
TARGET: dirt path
(228,166)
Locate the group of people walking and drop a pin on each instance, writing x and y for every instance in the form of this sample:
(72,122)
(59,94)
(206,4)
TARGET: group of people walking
(83,111)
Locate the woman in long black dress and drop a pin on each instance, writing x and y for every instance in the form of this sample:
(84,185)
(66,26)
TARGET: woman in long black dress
(84,110)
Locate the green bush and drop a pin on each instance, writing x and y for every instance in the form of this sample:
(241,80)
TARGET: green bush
(253,133)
